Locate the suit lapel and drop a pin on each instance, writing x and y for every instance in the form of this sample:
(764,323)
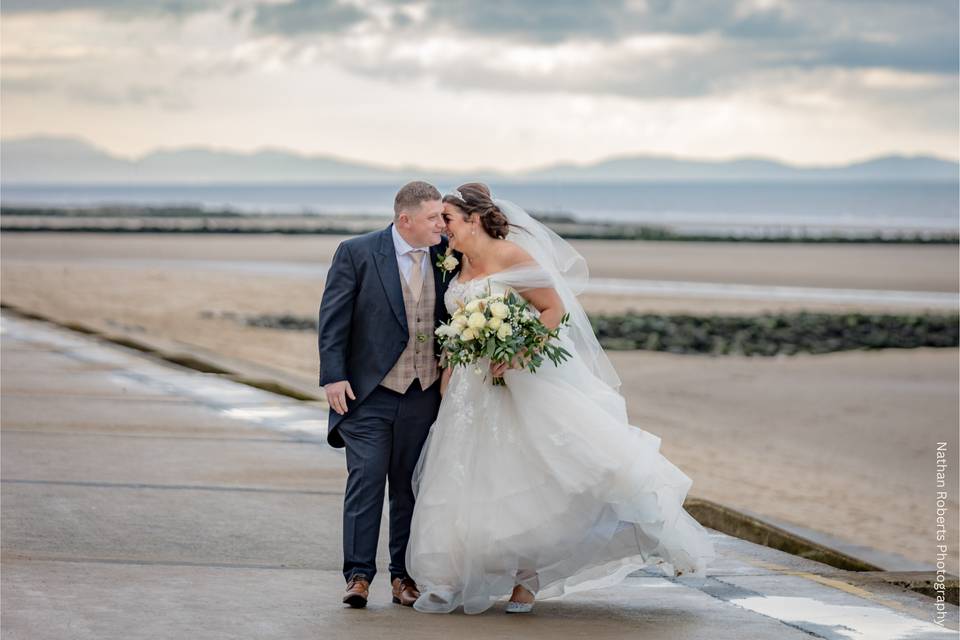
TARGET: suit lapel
(389,272)
(438,284)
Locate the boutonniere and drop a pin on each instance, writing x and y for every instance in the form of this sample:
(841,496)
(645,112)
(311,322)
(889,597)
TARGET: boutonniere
(446,262)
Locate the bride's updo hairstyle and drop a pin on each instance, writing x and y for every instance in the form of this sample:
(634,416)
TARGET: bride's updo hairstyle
(474,199)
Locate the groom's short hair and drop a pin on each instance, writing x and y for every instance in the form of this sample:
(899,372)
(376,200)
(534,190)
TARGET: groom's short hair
(412,194)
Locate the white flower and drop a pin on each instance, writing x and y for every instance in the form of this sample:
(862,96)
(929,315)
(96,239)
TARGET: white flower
(477,320)
(447,331)
(499,310)
(450,263)
(459,322)
(473,305)
(468,335)
(505,331)
(494,323)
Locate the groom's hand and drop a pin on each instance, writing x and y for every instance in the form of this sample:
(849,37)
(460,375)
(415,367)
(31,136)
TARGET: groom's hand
(337,393)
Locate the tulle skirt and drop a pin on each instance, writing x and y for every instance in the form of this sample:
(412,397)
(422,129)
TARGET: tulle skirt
(543,483)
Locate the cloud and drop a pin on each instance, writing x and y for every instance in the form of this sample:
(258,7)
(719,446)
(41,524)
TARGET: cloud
(96,93)
(306,16)
(131,94)
(116,7)
(548,22)
(530,45)
(753,34)
(650,66)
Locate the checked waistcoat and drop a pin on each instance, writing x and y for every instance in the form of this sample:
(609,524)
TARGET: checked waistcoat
(418,359)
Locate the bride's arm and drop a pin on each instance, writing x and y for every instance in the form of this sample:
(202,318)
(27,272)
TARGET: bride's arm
(548,303)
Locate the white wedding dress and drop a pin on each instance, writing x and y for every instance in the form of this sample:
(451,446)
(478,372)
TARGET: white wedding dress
(541,482)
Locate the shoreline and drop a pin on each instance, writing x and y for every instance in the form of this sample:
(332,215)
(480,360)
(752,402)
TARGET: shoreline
(176,220)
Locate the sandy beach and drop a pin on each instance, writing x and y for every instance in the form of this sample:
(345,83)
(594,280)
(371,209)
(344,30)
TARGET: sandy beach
(841,443)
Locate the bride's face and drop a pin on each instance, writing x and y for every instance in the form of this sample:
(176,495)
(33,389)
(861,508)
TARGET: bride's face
(459,230)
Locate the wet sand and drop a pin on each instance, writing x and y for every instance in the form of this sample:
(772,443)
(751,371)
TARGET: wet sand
(842,443)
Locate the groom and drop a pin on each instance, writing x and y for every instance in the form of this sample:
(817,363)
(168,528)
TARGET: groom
(382,300)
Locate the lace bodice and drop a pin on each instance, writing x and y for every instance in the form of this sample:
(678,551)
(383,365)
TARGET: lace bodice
(461,293)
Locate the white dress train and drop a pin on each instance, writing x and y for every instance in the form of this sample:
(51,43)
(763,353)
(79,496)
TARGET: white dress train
(541,482)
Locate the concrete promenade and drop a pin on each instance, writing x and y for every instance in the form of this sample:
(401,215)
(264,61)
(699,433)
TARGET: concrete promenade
(145,500)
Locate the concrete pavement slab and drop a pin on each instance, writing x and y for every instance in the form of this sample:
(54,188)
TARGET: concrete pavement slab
(62,384)
(172,524)
(116,414)
(44,362)
(268,462)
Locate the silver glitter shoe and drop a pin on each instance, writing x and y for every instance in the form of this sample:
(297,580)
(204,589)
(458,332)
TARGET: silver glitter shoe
(519,607)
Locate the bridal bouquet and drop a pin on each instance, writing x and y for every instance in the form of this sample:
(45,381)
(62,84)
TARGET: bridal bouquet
(500,328)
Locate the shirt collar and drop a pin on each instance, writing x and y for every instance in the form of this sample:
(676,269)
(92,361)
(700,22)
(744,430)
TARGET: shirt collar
(402,246)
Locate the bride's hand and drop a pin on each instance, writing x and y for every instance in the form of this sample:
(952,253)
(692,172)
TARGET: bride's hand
(518,362)
(497,369)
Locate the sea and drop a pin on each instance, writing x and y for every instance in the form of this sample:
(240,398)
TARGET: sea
(721,208)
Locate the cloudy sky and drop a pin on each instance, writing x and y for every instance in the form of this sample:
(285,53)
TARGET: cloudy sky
(455,84)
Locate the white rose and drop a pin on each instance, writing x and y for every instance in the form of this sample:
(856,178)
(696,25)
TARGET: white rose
(468,335)
(505,332)
(450,263)
(477,320)
(494,323)
(499,310)
(473,305)
(459,322)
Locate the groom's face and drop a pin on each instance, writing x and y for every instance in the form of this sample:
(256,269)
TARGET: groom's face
(423,226)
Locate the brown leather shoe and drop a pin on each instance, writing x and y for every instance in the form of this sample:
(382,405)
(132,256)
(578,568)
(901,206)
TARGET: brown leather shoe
(405,591)
(358,590)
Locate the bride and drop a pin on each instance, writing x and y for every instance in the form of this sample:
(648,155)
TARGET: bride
(540,487)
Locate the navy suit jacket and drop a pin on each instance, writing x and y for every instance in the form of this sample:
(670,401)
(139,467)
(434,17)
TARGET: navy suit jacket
(363,323)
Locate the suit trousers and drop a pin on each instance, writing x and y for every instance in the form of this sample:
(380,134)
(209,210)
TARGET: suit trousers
(384,435)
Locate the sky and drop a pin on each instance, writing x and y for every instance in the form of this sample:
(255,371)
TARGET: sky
(460,85)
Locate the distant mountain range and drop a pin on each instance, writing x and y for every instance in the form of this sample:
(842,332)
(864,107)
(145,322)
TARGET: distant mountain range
(58,160)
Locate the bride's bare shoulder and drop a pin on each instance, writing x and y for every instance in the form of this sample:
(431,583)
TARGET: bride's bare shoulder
(512,255)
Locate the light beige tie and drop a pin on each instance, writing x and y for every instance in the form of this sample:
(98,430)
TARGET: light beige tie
(415,282)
